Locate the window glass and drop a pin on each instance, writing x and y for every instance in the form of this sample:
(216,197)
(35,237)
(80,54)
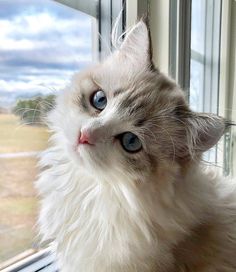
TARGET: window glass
(197,54)
(198,25)
(205,60)
(42,45)
(196,85)
(205,55)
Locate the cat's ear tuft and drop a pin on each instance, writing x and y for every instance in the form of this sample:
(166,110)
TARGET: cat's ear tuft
(137,43)
(206,130)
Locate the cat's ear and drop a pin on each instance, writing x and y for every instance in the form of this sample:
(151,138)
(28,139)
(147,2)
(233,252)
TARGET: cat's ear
(205,130)
(137,44)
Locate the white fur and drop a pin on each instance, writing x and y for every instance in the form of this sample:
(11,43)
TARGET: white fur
(104,226)
(105,217)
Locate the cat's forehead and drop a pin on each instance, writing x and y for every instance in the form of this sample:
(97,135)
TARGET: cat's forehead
(133,89)
(117,72)
(106,76)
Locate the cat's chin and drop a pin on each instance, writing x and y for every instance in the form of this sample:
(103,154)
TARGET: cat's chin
(74,154)
(81,153)
(89,159)
(83,150)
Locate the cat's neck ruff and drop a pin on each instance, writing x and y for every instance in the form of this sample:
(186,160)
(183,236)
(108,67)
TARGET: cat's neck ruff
(97,213)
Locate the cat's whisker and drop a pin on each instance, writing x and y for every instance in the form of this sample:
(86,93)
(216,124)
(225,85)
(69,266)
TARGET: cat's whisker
(115,37)
(103,40)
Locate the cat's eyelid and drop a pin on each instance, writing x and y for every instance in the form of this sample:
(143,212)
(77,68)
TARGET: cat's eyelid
(96,83)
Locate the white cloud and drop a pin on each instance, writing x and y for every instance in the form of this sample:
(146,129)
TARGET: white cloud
(35,85)
(43,22)
(10,44)
(39,51)
(39,24)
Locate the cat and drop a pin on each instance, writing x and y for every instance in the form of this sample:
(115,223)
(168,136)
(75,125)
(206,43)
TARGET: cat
(123,188)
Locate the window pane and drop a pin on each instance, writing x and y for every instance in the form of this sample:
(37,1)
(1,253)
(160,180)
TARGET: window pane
(196,85)
(198,25)
(205,57)
(42,45)
(205,60)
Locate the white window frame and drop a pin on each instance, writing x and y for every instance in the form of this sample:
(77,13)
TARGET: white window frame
(88,7)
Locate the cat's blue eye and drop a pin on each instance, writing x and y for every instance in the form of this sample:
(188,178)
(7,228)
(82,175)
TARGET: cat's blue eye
(130,142)
(99,100)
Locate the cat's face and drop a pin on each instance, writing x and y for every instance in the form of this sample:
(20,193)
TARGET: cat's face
(125,117)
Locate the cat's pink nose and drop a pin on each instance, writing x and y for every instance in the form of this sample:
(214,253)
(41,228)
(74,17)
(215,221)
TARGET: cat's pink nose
(84,138)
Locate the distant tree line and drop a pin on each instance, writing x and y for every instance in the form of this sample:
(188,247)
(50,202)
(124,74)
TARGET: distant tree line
(33,111)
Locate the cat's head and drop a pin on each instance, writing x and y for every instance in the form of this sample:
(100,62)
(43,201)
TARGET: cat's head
(125,117)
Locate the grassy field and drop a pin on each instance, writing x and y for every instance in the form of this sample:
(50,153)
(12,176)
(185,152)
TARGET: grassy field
(16,137)
(18,201)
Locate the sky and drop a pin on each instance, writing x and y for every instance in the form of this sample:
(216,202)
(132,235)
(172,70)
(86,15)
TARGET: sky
(42,43)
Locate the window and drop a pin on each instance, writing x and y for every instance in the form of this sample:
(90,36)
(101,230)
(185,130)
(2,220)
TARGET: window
(227,93)
(208,46)
(42,45)
(194,41)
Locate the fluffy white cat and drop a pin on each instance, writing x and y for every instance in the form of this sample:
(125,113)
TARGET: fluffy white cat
(122,187)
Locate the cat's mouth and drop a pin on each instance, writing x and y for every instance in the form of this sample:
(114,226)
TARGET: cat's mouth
(81,147)
(83,152)
(85,143)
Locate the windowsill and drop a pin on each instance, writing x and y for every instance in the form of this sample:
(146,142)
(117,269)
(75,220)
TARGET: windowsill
(31,261)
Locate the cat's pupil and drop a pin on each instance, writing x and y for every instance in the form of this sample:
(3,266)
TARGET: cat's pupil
(130,142)
(99,100)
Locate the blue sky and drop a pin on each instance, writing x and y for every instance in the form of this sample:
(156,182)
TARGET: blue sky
(42,43)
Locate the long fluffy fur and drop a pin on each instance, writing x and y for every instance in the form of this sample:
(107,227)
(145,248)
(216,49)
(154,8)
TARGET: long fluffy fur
(158,211)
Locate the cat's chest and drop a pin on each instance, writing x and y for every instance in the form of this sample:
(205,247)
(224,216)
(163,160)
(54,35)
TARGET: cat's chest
(99,205)
(101,220)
